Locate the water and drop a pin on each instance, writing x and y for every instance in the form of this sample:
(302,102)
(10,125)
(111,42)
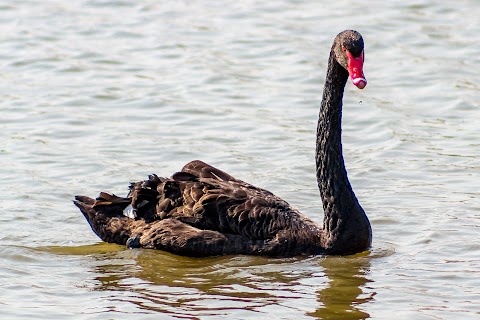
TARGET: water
(96,94)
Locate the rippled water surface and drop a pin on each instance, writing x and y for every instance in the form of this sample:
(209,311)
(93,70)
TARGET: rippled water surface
(95,94)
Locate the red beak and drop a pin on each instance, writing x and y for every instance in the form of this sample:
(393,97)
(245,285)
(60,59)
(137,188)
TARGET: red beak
(355,69)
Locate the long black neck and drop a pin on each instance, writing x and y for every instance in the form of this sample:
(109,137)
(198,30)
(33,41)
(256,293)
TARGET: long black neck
(345,224)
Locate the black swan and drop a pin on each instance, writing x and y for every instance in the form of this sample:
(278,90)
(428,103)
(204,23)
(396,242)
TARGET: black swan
(203,211)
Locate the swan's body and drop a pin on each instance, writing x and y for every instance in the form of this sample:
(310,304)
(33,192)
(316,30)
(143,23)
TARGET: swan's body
(202,211)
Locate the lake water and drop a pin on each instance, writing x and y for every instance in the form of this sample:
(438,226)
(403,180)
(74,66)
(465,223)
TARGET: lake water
(95,94)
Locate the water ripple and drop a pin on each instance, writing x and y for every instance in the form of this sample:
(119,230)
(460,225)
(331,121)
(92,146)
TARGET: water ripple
(99,93)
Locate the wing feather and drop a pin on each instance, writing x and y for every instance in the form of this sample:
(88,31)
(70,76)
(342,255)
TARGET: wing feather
(209,199)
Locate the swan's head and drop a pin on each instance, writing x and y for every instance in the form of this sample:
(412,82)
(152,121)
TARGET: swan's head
(348,49)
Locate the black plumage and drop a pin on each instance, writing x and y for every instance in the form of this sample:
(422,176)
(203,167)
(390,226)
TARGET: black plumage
(203,211)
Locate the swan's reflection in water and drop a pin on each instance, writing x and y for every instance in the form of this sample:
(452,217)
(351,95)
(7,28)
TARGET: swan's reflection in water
(238,287)
(344,295)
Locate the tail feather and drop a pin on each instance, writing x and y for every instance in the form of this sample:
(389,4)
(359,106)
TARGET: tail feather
(107,222)
(84,200)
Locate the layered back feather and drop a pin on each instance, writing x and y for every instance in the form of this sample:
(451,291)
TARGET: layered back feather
(204,198)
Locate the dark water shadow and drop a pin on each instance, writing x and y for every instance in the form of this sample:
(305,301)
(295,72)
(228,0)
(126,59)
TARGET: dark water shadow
(159,282)
(345,294)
